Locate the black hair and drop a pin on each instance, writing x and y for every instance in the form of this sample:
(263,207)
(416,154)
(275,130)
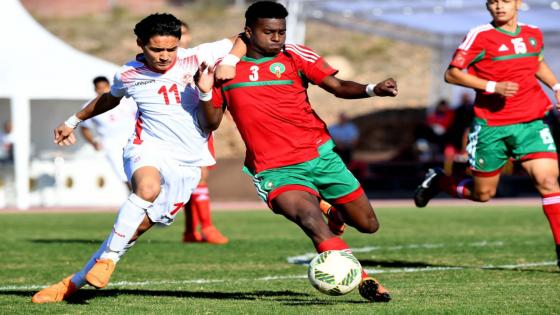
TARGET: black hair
(264,10)
(100,79)
(163,24)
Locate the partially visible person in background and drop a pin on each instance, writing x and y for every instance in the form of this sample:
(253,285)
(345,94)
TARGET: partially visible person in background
(345,135)
(113,128)
(463,118)
(186,37)
(6,144)
(197,210)
(440,121)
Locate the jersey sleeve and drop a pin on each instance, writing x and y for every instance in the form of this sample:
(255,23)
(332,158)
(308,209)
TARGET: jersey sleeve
(218,99)
(118,89)
(470,51)
(212,52)
(313,66)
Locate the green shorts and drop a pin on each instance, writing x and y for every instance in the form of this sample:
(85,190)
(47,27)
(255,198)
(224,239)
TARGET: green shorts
(490,147)
(325,176)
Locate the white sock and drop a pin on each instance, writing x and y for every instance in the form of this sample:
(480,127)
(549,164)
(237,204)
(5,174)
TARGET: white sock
(130,215)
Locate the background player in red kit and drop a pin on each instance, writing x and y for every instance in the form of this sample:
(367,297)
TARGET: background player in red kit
(289,151)
(504,62)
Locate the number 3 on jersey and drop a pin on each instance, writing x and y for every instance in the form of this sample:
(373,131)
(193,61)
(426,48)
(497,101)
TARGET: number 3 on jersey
(254,76)
(173,89)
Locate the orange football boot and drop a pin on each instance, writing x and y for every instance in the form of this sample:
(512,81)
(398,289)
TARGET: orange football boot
(336,225)
(56,292)
(211,235)
(371,290)
(99,275)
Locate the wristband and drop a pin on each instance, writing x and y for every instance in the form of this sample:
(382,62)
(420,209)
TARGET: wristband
(491,86)
(205,97)
(73,122)
(556,87)
(230,60)
(370,90)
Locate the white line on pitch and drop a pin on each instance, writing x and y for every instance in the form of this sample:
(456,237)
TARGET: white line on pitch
(305,258)
(272,278)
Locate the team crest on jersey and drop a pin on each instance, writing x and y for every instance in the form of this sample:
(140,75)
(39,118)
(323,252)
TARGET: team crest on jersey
(277,68)
(533,42)
(269,185)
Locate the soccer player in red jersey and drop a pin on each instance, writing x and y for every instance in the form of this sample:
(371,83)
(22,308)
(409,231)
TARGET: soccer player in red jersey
(504,63)
(289,151)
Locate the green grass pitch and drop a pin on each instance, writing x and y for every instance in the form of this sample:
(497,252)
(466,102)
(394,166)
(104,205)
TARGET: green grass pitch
(438,260)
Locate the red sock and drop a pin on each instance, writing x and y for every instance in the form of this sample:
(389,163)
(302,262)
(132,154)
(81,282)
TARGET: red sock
(461,190)
(201,199)
(191,218)
(551,207)
(335,243)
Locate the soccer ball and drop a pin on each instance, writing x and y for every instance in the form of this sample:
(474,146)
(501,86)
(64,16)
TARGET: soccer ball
(335,272)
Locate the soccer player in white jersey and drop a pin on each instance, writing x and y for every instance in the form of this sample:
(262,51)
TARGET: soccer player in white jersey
(163,157)
(113,128)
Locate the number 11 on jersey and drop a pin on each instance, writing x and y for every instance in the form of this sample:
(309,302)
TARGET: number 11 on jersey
(173,89)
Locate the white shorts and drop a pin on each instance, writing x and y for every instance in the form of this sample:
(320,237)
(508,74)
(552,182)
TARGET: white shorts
(178,181)
(115,157)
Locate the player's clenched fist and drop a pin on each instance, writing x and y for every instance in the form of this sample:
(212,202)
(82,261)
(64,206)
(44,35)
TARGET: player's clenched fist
(387,87)
(64,135)
(507,88)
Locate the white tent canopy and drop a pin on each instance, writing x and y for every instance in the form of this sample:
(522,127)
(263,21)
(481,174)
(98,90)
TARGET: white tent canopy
(37,65)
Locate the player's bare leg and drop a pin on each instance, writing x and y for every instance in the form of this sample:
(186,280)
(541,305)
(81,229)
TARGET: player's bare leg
(303,209)
(359,214)
(477,188)
(544,173)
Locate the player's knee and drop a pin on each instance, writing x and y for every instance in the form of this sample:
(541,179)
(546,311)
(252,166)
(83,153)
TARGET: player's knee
(148,191)
(484,195)
(369,226)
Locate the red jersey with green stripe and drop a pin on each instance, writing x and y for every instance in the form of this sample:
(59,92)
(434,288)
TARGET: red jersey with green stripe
(268,102)
(494,54)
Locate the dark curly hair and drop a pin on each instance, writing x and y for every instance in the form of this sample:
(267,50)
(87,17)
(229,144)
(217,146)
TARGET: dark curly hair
(264,10)
(163,24)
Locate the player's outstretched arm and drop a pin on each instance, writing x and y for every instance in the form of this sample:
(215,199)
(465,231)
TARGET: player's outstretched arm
(545,74)
(353,90)
(457,76)
(226,69)
(209,116)
(64,133)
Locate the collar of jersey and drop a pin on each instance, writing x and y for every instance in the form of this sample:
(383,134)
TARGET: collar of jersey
(501,30)
(142,59)
(260,60)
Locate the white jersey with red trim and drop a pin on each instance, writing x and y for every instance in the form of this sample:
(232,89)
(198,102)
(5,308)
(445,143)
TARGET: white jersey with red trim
(168,103)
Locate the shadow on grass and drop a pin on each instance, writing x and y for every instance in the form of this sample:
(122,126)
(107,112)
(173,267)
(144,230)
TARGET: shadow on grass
(285,297)
(399,264)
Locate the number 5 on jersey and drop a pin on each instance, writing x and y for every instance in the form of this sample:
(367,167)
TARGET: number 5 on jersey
(173,89)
